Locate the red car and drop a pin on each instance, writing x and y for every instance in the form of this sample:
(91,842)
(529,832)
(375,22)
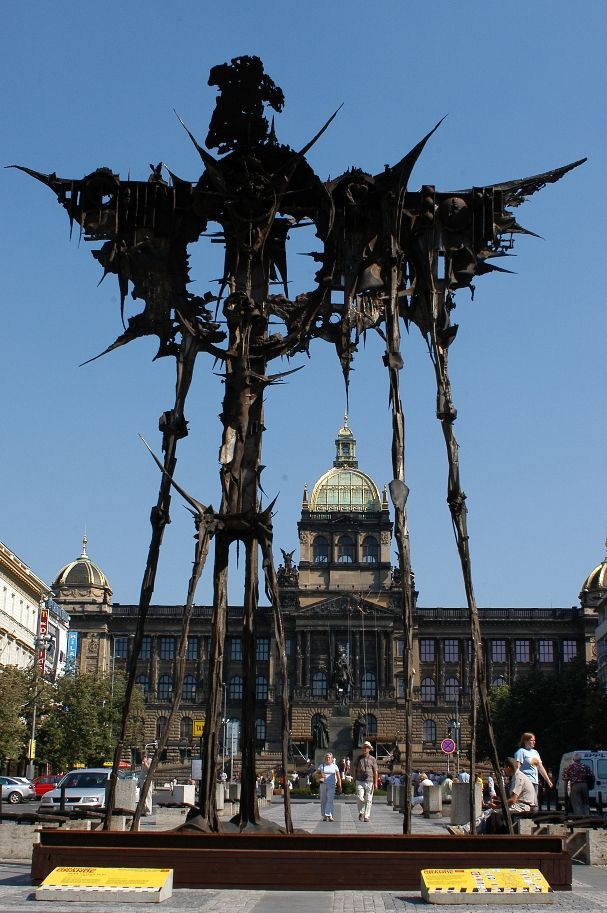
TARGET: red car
(42,785)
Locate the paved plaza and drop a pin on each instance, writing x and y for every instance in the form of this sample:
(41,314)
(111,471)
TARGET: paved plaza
(17,893)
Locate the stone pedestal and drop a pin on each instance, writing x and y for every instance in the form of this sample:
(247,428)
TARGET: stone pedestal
(220,796)
(433,802)
(460,802)
(184,793)
(126,794)
(234,792)
(389,789)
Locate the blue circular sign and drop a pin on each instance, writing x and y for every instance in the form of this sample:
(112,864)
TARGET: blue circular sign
(448,746)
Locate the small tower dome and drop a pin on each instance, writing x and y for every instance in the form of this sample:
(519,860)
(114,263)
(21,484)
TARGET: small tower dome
(594,588)
(81,584)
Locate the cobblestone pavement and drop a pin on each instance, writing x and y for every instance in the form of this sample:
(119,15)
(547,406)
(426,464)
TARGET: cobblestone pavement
(589,894)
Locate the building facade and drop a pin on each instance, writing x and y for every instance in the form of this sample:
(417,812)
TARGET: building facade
(33,628)
(342,616)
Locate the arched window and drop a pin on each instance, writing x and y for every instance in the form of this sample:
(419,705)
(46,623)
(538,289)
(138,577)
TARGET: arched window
(161,725)
(370,550)
(185,729)
(368,684)
(319,684)
(371,724)
(452,689)
(165,687)
(235,688)
(498,681)
(345,550)
(144,682)
(429,731)
(428,690)
(261,688)
(260,733)
(320,550)
(188,692)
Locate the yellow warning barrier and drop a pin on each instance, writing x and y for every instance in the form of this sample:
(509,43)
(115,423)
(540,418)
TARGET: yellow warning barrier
(70,882)
(506,886)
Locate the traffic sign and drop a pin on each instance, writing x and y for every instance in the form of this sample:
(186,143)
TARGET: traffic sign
(447,746)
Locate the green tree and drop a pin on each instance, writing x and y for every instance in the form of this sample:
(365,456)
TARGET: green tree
(566,710)
(81,722)
(17,689)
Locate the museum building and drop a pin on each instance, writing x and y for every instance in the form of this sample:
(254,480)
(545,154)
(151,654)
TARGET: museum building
(342,599)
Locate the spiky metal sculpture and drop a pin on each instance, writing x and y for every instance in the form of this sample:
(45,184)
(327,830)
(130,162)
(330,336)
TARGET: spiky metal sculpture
(387,255)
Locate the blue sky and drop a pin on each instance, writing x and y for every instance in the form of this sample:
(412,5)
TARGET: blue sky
(522,85)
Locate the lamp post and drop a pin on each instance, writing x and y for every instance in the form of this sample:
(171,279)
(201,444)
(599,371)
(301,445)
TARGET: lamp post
(456,726)
(225,725)
(40,641)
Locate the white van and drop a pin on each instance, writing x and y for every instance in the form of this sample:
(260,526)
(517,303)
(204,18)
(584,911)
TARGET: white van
(597,762)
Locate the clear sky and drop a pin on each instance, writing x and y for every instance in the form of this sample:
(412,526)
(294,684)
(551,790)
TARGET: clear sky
(523,88)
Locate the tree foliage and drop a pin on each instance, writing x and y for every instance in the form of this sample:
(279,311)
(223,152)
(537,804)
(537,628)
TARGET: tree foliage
(77,717)
(565,710)
(17,690)
(81,721)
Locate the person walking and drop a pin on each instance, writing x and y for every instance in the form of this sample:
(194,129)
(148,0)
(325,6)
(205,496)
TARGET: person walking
(330,780)
(367,779)
(530,761)
(578,776)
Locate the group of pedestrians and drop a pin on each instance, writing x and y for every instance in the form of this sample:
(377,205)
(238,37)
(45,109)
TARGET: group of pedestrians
(366,777)
(522,779)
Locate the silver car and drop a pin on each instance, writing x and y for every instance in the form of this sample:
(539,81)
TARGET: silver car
(17,789)
(84,788)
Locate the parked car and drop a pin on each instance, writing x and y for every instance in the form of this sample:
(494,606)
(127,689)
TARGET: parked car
(44,784)
(84,788)
(14,790)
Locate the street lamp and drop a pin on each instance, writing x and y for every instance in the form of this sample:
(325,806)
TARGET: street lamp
(225,725)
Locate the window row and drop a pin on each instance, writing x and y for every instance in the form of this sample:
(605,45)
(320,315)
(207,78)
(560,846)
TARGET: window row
(197,647)
(320,684)
(230,732)
(345,550)
(189,690)
(497,650)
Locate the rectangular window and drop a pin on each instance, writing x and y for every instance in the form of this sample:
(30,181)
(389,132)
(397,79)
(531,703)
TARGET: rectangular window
(400,648)
(236,648)
(522,651)
(206,646)
(146,648)
(498,651)
(121,647)
(192,648)
(569,650)
(451,651)
(546,651)
(263,649)
(166,647)
(288,646)
(426,650)
(400,686)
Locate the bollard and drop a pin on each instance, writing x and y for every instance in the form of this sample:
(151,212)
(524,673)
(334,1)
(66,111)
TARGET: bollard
(389,788)
(460,802)
(433,802)
(219,796)
(234,792)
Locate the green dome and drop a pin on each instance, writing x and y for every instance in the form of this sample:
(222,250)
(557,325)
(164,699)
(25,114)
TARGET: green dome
(347,490)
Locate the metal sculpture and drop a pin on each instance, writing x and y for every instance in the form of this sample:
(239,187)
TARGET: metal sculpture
(386,255)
